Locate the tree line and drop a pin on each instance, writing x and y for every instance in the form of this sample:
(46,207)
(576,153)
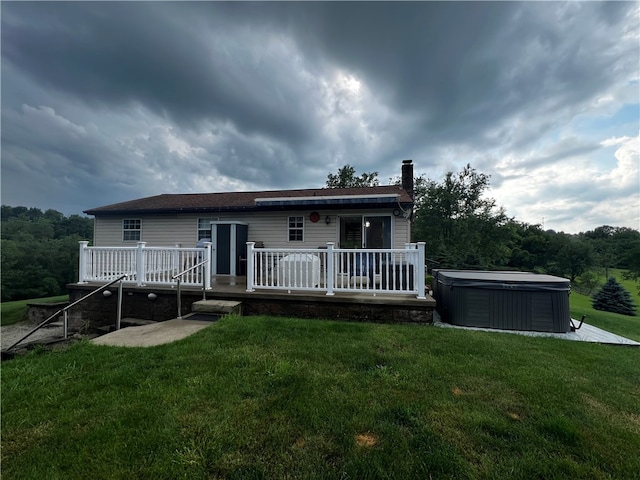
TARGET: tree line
(464,228)
(39,251)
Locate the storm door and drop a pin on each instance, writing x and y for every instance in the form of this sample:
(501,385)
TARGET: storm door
(229,248)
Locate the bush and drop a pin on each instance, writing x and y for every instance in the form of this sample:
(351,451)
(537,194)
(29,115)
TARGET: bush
(613,297)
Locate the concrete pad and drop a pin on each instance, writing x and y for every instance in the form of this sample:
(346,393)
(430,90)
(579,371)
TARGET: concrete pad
(151,335)
(217,306)
(587,333)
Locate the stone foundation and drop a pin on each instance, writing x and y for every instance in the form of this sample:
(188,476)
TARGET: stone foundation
(100,311)
(39,312)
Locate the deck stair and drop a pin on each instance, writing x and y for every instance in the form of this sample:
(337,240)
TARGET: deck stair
(212,310)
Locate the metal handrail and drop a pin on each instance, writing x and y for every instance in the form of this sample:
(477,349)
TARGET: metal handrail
(64,310)
(178,290)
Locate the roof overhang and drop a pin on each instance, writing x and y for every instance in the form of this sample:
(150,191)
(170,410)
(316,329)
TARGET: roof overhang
(326,200)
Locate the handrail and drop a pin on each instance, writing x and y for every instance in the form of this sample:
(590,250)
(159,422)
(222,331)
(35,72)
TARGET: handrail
(178,290)
(64,310)
(189,269)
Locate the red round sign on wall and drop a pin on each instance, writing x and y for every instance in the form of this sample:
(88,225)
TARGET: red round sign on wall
(314,217)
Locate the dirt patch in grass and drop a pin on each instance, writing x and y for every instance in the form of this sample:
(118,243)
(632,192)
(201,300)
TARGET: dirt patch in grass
(366,440)
(625,420)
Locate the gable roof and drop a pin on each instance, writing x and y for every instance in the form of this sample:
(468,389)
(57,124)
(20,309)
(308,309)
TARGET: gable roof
(327,198)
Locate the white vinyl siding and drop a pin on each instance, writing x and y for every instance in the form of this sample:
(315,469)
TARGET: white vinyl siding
(267,227)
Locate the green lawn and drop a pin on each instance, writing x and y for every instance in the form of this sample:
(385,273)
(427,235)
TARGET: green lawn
(262,397)
(14,312)
(613,322)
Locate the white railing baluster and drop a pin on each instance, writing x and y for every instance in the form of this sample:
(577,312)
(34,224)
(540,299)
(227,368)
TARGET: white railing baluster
(328,270)
(329,264)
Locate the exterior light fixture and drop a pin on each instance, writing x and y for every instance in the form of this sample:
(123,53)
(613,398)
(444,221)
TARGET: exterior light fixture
(106,294)
(152,296)
(327,219)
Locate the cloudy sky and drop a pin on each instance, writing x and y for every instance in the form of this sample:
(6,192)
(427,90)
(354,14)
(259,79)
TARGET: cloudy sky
(107,102)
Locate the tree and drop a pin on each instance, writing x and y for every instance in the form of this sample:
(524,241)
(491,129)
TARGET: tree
(633,261)
(39,251)
(613,297)
(346,177)
(575,258)
(462,227)
(530,246)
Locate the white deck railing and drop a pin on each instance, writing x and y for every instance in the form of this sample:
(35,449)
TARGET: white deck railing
(144,265)
(330,270)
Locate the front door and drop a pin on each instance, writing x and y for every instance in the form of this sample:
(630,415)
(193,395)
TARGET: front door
(229,244)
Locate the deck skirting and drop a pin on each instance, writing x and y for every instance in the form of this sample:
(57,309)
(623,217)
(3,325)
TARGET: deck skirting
(99,310)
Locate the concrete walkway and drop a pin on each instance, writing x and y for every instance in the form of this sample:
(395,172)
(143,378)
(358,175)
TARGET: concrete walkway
(152,334)
(587,333)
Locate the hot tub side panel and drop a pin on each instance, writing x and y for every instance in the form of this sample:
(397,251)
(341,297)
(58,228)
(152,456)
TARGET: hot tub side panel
(509,309)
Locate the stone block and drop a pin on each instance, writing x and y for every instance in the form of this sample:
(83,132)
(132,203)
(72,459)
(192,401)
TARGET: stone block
(217,306)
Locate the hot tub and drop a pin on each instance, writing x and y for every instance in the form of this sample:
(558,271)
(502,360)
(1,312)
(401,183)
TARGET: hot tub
(503,300)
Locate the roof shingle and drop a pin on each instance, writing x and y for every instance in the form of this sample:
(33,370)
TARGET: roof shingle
(234,201)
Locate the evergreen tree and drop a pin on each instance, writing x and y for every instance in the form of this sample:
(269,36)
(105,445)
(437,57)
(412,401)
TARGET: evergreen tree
(613,297)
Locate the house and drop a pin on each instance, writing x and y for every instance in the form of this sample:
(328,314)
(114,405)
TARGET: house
(355,218)
(313,253)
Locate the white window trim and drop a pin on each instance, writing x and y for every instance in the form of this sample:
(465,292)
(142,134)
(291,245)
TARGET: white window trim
(139,230)
(289,228)
(208,229)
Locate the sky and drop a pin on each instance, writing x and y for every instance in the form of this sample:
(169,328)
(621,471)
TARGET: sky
(108,102)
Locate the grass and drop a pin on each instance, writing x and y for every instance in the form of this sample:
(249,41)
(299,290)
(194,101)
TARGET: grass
(623,325)
(14,312)
(262,397)
(613,322)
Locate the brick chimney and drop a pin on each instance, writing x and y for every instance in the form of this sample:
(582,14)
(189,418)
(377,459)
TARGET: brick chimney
(407,177)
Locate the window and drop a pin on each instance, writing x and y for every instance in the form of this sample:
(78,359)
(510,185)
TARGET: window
(296,229)
(131,230)
(204,227)
(351,232)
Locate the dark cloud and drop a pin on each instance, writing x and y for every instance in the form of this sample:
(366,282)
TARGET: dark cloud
(137,98)
(127,53)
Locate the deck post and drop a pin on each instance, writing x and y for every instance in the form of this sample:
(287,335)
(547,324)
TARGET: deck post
(82,267)
(419,274)
(250,266)
(330,275)
(207,266)
(140,264)
(119,309)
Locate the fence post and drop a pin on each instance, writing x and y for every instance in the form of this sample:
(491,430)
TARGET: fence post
(175,258)
(330,264)
(140,264)
(419,271)
(207,266)
(82,266)
(250,266)
(119,309)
